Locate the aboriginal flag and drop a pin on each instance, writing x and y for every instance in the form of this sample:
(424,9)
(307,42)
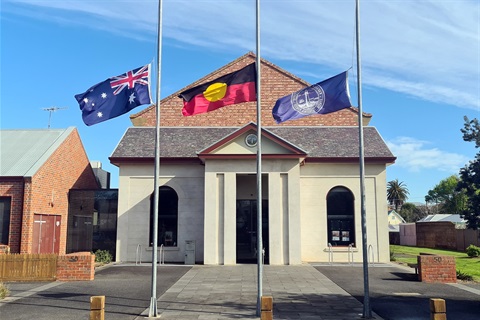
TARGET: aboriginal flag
(232,88)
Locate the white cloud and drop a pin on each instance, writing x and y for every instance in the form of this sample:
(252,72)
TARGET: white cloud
(427,49)
(415,156)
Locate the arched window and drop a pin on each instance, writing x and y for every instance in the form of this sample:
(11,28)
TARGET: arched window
(340,217)
(167,217)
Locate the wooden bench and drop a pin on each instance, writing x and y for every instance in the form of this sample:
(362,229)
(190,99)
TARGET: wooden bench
(414,266)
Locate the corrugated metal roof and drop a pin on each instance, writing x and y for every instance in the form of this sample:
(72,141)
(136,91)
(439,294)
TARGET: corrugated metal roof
(23,152)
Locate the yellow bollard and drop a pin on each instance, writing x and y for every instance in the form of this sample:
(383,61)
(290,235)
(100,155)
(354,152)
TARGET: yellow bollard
(97,308)
(438,310)
(266,308)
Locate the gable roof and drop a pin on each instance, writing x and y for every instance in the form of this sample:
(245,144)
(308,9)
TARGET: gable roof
(321,144)
(276,83)
(23,152)
(396,214)
(289,150)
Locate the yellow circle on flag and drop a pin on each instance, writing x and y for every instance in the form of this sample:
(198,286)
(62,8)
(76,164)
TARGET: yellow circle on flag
(216,91)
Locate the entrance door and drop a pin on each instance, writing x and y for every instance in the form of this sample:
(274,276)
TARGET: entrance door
(247,230)
(46,233)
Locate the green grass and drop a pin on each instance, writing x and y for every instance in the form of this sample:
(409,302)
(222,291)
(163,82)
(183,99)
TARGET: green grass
(464,264)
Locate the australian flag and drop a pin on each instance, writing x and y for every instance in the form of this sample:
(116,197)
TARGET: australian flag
(324,97)
(115,96)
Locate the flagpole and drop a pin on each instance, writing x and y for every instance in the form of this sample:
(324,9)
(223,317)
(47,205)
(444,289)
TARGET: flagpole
(367,312)
(153,312)
(259,168)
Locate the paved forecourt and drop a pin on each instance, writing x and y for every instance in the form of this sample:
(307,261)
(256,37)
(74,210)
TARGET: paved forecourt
(230,292)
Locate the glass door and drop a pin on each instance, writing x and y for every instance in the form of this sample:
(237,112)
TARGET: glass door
(247,230)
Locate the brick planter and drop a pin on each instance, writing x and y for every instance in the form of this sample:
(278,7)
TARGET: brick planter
(436,268)
(78,266)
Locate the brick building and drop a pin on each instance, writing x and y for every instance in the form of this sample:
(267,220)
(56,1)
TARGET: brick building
(208,194)
(38,168)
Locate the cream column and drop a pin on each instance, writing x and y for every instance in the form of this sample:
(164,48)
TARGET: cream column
(294,216)
(278,229)
(211,217)
(230,219)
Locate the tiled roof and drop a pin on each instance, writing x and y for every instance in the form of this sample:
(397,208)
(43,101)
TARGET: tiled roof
(185,142)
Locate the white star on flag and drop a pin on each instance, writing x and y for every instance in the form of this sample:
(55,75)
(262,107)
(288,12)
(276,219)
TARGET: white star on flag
(131,99)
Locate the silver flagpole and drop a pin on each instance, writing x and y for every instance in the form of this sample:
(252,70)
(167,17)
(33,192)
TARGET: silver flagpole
(259,170)
(152,312)
(367,312)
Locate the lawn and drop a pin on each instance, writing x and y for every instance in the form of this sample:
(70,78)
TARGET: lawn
(464,264)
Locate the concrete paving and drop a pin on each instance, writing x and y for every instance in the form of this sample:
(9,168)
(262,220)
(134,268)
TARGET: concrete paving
(322,292)
(230,292)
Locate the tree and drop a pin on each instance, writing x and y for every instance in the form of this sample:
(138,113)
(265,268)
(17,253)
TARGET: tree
(470,176)
(446,197)
(411,213)
(397,193)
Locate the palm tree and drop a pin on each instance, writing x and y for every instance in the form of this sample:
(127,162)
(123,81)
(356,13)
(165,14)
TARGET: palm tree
(397,193)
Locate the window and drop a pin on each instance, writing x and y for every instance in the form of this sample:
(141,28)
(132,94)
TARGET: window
(167,217)
(4,219)
(340,217)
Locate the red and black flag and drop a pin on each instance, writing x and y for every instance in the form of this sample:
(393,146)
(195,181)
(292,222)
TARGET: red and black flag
(232,88)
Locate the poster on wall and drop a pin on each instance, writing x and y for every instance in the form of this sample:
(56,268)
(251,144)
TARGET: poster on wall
(345,235)
(336,235)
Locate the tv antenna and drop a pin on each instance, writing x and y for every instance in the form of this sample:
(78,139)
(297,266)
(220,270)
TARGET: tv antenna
(50,110)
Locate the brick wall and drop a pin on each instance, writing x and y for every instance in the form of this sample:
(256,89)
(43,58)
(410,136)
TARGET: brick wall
(13,189)
(79,266)
(67,168)
(439,234)
(275,84)
(436,268)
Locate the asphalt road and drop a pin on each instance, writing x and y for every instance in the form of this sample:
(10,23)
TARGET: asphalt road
(396,294)
(127,291)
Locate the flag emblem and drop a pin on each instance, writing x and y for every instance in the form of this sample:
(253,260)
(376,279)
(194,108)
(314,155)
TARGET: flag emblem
(129,79)
(309,100)
(236,87)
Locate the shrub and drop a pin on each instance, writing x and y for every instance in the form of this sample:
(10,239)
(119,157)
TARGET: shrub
(473,251)
(4,292)
(392,255)
(464,276)
(103,256)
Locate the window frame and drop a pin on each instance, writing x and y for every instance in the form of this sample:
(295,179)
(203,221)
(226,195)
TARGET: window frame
(167,232)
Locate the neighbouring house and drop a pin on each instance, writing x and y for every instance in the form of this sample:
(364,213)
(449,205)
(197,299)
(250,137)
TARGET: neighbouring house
(394,220)
(208,194)
(38,169)
(459,222)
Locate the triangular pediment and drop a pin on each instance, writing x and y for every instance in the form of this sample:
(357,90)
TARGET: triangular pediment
(242,144)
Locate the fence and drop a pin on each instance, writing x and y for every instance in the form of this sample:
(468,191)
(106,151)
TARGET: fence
(28,267)
(439,234)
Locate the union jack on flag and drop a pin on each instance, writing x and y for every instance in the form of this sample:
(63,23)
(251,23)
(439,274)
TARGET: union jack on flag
(115,96)
(129,79)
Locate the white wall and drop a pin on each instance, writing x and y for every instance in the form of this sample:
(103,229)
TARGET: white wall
(315,183)
(135,189)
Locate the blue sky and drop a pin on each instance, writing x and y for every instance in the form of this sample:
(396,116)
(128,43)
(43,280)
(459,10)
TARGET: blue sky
(420,64)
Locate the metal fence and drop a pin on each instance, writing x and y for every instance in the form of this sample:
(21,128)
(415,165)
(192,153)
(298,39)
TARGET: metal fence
(28,267)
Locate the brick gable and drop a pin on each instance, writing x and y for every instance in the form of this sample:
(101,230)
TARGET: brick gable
(276,83)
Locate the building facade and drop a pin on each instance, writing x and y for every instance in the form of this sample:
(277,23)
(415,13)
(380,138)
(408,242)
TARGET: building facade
(38,168)
(208,183)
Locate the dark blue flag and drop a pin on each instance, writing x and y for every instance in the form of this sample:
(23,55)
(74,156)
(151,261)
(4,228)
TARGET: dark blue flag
(115,96)
(324,97)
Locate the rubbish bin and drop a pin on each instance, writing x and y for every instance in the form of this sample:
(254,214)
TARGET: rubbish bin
(190,252)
